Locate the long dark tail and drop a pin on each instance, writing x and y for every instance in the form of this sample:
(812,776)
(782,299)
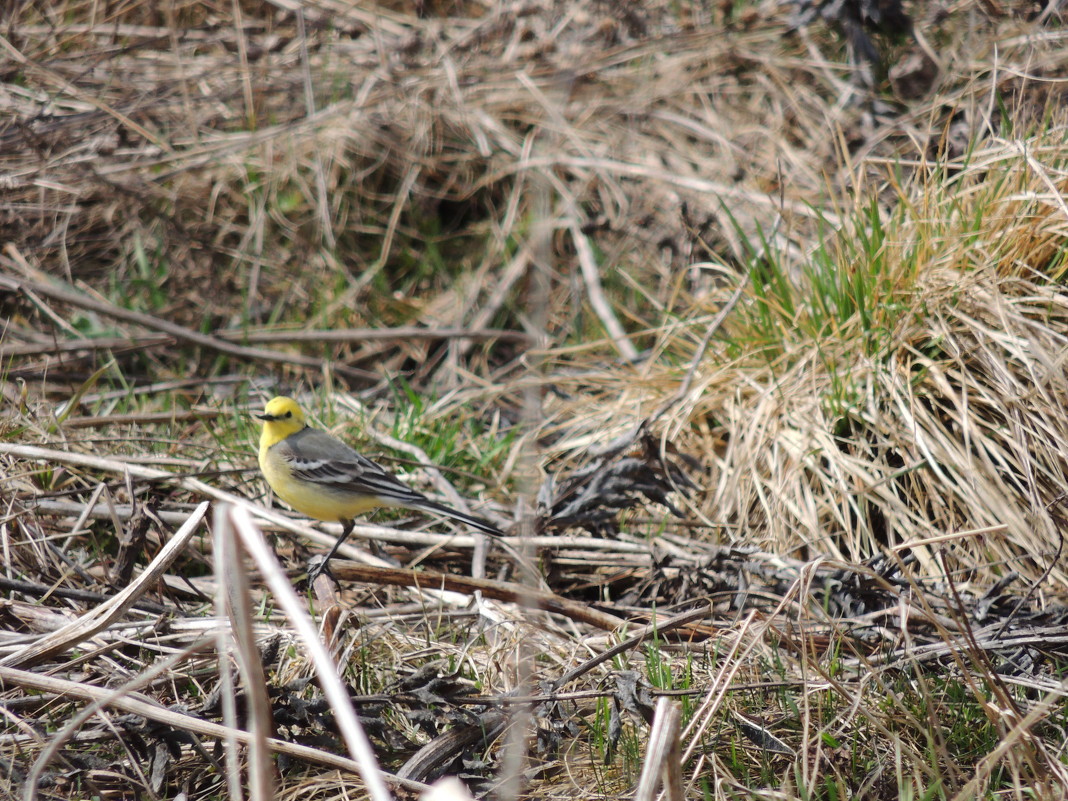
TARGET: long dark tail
(475,522)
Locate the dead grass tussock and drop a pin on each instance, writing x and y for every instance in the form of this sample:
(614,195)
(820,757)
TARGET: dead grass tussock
(955,423)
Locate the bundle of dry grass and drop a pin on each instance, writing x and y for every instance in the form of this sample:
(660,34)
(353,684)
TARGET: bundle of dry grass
(906,390)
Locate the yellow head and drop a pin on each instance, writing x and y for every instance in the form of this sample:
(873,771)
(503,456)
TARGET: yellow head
(281,417)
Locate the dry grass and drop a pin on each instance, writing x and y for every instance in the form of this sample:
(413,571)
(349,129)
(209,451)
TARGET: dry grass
(580,255)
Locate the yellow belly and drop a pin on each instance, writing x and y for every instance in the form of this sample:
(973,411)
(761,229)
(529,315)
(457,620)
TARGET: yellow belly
(313,500)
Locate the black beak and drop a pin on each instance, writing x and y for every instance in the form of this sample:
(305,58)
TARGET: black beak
(265,416)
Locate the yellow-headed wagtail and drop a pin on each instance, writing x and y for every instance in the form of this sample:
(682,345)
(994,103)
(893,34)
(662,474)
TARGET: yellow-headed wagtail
(322,477)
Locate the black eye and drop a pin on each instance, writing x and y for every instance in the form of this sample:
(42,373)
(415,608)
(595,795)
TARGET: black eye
(289,414)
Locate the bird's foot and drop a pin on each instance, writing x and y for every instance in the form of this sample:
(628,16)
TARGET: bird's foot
(319,565)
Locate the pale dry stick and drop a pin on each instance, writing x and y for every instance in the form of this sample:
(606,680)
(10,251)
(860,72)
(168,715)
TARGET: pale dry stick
(950,647)
(516,748)
(228,702)
(233,602)
(663,757)
(595,292)
(94,498)
(348,723)
(120,699)
(699,129)
(256,355)
(99,618)
(97,511)
(327,540)
(381,20)
(950,537)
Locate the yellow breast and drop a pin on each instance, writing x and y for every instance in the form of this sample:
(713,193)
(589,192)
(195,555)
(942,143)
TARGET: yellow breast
(309,498)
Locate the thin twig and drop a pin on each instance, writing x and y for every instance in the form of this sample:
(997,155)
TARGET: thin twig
(251,538)
(664,757)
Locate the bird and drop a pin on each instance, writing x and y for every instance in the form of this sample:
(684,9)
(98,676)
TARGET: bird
(322,477)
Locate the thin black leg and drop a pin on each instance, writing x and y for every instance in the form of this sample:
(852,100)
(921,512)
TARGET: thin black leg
(346,529)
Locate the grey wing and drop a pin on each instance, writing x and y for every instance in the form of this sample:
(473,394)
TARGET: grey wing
(330,463)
